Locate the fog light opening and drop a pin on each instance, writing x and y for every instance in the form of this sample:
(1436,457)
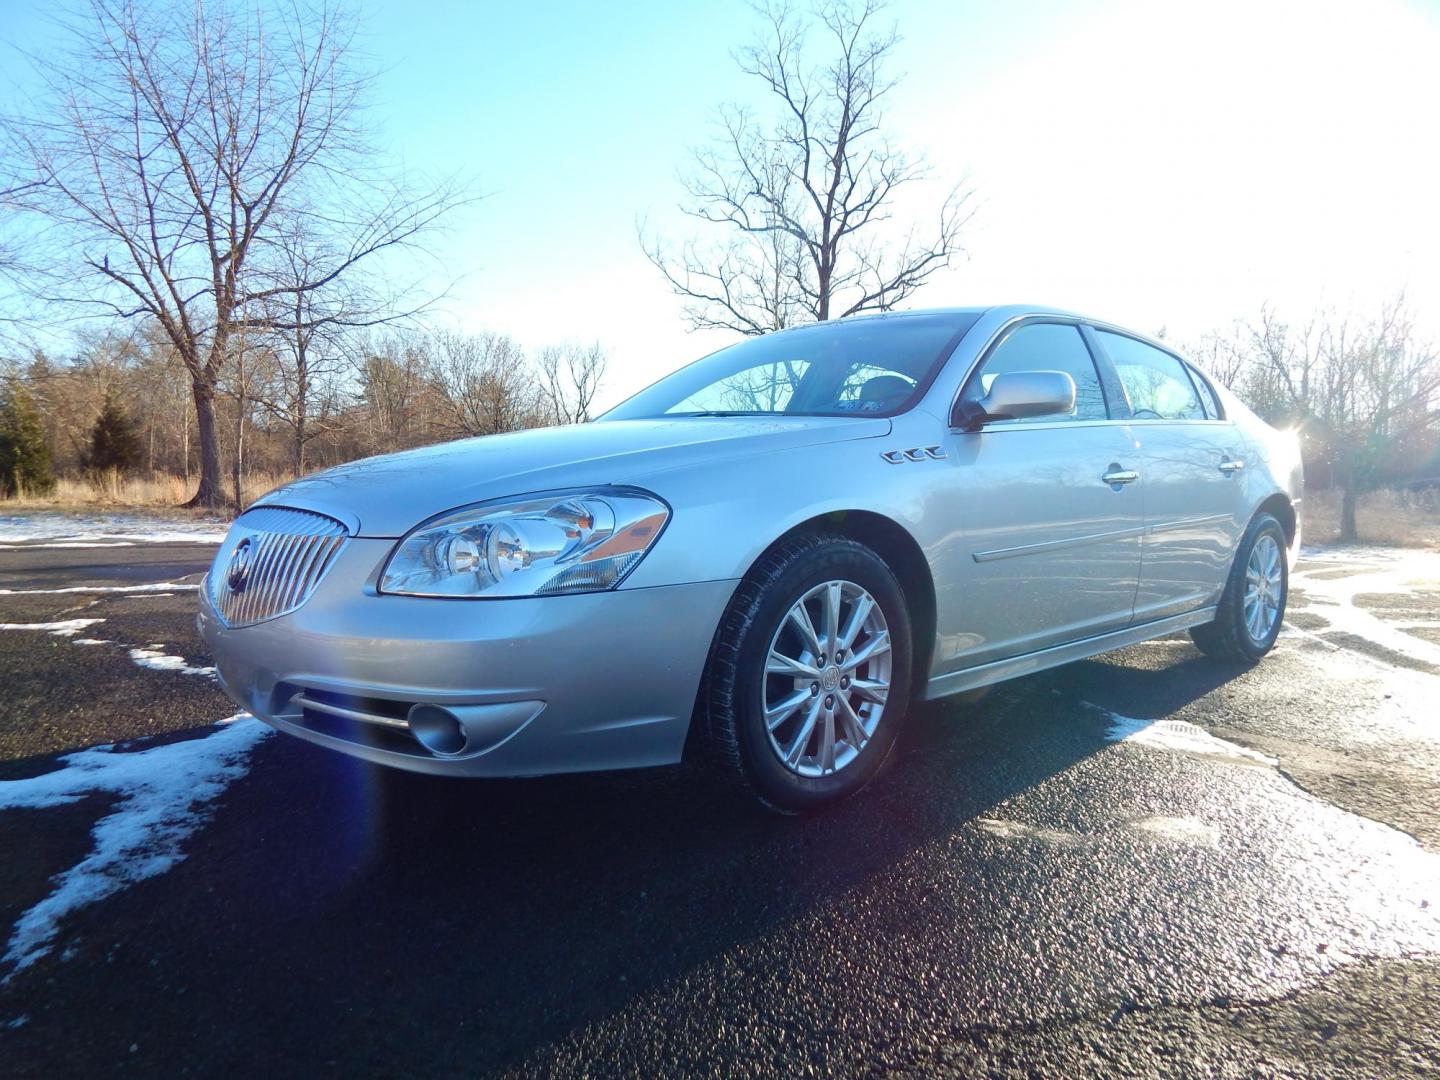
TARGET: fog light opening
(437,729)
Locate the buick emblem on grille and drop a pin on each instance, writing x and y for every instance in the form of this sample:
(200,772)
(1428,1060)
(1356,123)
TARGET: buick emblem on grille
(239,573)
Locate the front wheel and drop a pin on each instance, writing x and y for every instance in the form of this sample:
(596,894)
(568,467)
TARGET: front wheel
(1252,607)
(810,675)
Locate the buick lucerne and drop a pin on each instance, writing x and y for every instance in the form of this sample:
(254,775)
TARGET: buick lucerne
(765,558)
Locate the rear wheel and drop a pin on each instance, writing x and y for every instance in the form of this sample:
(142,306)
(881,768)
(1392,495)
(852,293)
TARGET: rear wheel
(1252,607)
(810,675)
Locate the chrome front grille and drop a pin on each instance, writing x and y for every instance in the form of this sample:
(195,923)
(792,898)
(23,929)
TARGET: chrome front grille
(271,561)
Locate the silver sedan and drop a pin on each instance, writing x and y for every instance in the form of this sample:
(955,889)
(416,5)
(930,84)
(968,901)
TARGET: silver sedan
(764,558)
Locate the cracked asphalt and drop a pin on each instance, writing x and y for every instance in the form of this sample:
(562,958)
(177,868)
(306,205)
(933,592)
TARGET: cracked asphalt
(1147,864)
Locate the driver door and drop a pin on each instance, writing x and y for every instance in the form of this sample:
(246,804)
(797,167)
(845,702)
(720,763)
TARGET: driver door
(1050,512)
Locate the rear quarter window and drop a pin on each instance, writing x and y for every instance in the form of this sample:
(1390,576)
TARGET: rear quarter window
(1208,397)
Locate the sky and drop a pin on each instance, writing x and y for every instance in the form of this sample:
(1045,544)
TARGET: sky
(1161,165)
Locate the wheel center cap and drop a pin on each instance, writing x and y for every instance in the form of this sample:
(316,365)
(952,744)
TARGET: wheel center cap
(830,678)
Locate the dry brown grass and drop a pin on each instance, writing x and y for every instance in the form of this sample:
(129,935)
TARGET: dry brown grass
(159,491)
(1402,518)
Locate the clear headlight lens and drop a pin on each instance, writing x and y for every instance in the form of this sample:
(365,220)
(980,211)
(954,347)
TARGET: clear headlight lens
(579,541)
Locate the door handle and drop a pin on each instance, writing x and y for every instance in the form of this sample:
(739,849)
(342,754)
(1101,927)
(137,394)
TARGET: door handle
(1230,466)
(1118,477)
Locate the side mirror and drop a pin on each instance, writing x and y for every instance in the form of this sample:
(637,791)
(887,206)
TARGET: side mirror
(1016,395)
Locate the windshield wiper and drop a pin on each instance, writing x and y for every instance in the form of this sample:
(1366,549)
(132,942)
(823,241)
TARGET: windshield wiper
(723,412)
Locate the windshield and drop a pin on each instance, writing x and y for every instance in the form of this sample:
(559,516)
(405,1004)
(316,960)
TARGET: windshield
(871,367)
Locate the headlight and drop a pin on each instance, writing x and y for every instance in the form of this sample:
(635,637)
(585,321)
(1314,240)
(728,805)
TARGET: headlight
(579,541)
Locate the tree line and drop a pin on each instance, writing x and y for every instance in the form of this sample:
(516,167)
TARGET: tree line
(121,403)
(1362,394)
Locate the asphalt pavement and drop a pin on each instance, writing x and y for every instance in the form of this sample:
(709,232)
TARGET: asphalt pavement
(1146,864)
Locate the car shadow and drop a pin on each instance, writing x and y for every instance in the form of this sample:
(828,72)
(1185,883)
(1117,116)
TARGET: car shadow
(1146,682)
(338,912)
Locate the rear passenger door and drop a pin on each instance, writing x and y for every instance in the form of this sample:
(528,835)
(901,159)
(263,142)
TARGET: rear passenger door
(1191,463)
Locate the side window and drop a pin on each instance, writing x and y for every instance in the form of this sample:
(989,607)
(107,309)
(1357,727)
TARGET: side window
(1207,394)
(1158,385)
(1047,347)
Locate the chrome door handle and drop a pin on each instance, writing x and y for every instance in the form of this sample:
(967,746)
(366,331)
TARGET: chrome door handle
(1230,466)
(1117,477)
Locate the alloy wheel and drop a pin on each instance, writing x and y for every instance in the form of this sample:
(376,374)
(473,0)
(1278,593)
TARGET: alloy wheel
(827,678)
(1264,589)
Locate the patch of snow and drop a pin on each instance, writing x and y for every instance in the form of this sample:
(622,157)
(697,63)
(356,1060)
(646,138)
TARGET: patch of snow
(1181,830)
(156,660)
(89,528)
(70,544)
(152,656)
(63,628)
(1189,831)
(150,587)
(1383,571)
(163,796)
(1019,830)
(1181,737)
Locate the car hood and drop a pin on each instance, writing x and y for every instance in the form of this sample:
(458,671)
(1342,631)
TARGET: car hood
(387,496)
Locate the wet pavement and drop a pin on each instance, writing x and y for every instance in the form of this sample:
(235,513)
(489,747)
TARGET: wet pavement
(1145,864)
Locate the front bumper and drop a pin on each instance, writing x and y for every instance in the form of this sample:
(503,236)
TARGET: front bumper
(567,683)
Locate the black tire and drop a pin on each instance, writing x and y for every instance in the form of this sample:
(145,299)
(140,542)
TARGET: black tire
(1228,638)
(731,709)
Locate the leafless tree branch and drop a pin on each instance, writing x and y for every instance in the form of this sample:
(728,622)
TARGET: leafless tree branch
(804,204)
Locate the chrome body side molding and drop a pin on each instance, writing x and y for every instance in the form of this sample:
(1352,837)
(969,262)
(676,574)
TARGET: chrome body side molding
(1055,545)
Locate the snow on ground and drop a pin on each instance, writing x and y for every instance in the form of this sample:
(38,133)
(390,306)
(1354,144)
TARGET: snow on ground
(51,529)
(163,795)
(1382,571)
(152,656)
(74,544)
(161,587)
(63,628)
(158,661)
(1178,736)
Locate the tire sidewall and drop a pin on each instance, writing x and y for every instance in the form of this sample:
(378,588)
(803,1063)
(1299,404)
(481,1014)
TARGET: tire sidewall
(838,560)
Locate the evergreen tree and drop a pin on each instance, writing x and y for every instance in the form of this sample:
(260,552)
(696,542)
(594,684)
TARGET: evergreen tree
(114,442)
(24,454)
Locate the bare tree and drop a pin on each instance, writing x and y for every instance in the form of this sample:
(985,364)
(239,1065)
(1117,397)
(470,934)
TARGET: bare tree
(10,195)
(181,148)
(393,384)
(804,204)
(240,385)
(484,384)
(1223,355)
(1365,395)
(570,376)
(305,331)
(10,246)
